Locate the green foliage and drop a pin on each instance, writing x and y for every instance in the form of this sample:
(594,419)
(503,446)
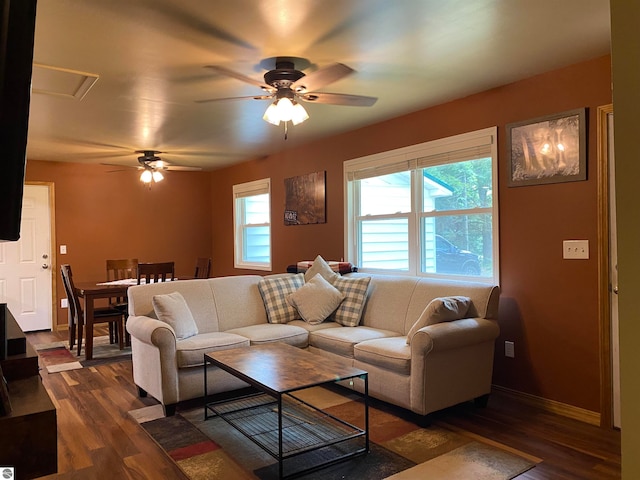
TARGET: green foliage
(471,186)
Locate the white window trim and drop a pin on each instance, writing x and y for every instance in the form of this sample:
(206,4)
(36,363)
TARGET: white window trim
(249,189)
(409,158)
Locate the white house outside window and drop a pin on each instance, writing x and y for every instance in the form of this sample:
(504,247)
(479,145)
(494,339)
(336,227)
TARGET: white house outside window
(429,209)
(252,221)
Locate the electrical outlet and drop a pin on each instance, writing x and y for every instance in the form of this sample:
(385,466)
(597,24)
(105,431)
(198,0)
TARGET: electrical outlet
(509,349)
(64,303)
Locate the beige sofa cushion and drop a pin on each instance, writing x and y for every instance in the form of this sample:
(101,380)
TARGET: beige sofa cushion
(341,340)
(316,300)
(274,332)
(171,308)
(440,309)
(190,351)
(391,353)
(312,328)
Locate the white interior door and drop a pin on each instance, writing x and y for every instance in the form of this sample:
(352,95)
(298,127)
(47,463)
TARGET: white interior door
(25,267)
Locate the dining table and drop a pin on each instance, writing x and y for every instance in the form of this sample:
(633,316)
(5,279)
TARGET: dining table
(92,291)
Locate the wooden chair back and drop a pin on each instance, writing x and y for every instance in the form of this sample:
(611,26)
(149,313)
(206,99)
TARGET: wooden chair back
(75,310)
(76,317)
(155,272)
(203,268)
(122,269)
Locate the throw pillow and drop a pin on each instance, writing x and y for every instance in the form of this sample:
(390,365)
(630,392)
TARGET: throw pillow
(320,266)
(172,308)
(440,309)
(274,291)
(316,300)
(355,293)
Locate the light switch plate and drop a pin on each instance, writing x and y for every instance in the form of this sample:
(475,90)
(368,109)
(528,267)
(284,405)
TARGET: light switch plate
(575,249)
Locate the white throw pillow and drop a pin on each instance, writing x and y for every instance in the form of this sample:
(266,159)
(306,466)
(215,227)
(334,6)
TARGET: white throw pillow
(172,308)
(440,309)
(316,300)
(320,266)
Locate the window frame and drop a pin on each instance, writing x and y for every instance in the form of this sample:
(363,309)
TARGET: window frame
(242,191)
(414,158)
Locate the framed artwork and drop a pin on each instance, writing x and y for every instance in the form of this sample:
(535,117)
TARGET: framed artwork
(548,149)
(305,199)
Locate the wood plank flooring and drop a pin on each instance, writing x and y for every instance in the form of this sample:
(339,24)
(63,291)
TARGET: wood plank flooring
(98,440)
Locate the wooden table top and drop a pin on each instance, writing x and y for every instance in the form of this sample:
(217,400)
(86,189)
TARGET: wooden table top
(281,367)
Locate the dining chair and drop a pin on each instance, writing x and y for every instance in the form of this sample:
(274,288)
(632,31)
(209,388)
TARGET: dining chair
(121,269)
(155,272)
(203,268)
(76,317)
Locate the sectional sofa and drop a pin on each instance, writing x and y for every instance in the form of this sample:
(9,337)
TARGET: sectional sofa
(427,344)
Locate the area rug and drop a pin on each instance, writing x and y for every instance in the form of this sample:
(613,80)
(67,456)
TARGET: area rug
(57,357)
(399,449)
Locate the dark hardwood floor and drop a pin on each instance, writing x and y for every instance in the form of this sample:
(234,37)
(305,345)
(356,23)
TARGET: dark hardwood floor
(98,440)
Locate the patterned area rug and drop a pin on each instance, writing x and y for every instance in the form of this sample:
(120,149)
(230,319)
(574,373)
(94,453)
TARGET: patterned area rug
(56,357)
(399,449)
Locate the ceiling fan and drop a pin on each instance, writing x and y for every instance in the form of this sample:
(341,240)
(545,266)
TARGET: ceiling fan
(287,86)
(152,166)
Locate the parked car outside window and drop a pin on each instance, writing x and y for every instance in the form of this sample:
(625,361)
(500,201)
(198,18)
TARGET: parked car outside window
(452,259)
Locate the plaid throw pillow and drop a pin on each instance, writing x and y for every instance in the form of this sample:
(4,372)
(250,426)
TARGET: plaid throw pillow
(355,293)
(274,293)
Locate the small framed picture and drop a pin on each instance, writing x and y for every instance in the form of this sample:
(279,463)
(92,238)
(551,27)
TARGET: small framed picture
(548,149)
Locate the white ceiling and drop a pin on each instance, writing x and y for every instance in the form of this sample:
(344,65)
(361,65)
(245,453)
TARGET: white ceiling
(149,57)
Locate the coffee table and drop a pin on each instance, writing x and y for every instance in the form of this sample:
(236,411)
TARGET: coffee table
(275,418)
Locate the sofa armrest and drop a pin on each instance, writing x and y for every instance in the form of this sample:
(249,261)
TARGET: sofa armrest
(455,334)
(151,331)
(154,358)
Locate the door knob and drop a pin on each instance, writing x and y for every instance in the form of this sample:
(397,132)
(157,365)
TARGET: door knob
(45,266)
(615,290)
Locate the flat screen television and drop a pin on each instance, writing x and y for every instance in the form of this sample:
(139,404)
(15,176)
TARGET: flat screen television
(17,29)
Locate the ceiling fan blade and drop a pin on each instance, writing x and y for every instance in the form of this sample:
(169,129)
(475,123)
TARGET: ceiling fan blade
(240,76)
(181,168)
(320,78)
(339,99)
(254,97)
(121,166)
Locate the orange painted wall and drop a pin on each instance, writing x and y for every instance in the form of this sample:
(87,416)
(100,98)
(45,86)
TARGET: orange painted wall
(100,214)
(548,305)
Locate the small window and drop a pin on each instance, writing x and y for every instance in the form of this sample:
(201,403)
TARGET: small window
(252,220)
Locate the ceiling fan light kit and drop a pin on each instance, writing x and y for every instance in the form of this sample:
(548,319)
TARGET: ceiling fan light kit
(284,110)
(289,86)
(149,175)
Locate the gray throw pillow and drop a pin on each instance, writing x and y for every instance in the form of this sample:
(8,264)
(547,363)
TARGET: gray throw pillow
(172,308)
(320,266)
(440,309)
(316,300)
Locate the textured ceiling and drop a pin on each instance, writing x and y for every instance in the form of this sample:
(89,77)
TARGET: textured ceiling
(149,57)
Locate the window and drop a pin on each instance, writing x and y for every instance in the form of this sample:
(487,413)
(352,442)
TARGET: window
(429,209)
(252,221)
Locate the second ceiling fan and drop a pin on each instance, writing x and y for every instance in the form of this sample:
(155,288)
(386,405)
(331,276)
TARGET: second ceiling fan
(287,86)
